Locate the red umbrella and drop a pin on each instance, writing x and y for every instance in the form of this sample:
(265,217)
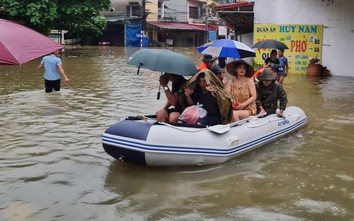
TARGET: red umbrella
(19,44)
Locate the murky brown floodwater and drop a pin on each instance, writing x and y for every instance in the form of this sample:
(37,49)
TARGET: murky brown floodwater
(53,166)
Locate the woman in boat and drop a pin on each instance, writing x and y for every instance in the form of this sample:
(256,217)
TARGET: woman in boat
(242,90)
(207,90)
(269,92)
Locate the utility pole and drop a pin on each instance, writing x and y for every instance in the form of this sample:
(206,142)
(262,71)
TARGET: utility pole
(207,29)
(206,20)
(143,21)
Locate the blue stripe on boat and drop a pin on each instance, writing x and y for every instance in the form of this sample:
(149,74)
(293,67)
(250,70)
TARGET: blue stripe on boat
(142,147)
(125,154)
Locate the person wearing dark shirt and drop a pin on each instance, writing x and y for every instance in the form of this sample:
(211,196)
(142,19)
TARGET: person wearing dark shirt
(222,62)
(200,95)
(272,59)
(172,110)
(274,63)
(269,92)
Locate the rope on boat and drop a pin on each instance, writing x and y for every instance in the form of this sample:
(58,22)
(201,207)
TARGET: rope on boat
(187,129)
(142,117)
(267,121)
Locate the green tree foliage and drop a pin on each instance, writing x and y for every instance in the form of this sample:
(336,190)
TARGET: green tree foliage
(77,16)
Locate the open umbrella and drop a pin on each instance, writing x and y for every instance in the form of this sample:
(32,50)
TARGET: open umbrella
(163,60)
(227,48)
(19,44)
(270,44)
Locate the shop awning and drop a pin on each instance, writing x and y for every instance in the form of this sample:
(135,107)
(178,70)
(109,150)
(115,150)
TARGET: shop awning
(181,26)
(121,18)
(237,16)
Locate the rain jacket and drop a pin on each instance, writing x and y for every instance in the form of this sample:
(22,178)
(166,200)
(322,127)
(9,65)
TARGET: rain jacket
(268,97)
(259,72)
(214,85)
(202,66)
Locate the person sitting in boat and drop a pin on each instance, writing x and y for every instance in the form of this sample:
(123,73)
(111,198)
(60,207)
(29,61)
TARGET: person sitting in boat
(269,92)
(207,90)
(172,110)
(242,90)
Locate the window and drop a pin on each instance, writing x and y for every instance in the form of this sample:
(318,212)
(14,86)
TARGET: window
(193,12)
(133,10)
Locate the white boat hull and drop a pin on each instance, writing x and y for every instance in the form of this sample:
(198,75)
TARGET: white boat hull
(154,144)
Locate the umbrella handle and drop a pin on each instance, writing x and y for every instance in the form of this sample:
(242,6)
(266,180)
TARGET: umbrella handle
(137,73)
(158,93)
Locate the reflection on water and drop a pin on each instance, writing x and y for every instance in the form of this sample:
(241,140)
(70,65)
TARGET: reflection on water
(53,166)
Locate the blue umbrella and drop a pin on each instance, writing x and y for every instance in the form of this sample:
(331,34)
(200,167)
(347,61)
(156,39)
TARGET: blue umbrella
(163,60)
(227,48)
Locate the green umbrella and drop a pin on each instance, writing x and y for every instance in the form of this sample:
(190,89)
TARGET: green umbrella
(163,60)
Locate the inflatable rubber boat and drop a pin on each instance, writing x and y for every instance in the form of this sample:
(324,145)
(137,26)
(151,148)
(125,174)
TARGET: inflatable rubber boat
(142,140)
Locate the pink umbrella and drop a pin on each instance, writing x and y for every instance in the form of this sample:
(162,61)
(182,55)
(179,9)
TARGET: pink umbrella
(19,44)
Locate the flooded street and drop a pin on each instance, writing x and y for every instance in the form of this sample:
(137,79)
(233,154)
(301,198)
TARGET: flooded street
(53,166)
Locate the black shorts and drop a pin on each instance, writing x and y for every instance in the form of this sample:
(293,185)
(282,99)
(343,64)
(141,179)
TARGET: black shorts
(170,110)
(50,85)
(281,73)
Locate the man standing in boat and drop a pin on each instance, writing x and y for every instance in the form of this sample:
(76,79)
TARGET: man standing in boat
(172,110)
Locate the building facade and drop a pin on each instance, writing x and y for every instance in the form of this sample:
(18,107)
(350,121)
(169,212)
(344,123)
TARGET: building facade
(336,17)
(164,22)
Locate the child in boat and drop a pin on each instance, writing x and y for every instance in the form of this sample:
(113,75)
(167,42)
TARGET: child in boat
(269,92)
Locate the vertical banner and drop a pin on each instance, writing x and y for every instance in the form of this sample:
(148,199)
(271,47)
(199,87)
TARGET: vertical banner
(132,35)
(304,43)
(212,35)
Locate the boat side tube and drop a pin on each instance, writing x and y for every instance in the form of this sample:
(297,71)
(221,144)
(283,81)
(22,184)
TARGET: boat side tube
(127,129)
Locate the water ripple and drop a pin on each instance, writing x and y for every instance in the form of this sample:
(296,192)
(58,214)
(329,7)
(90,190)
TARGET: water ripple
(53,166)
